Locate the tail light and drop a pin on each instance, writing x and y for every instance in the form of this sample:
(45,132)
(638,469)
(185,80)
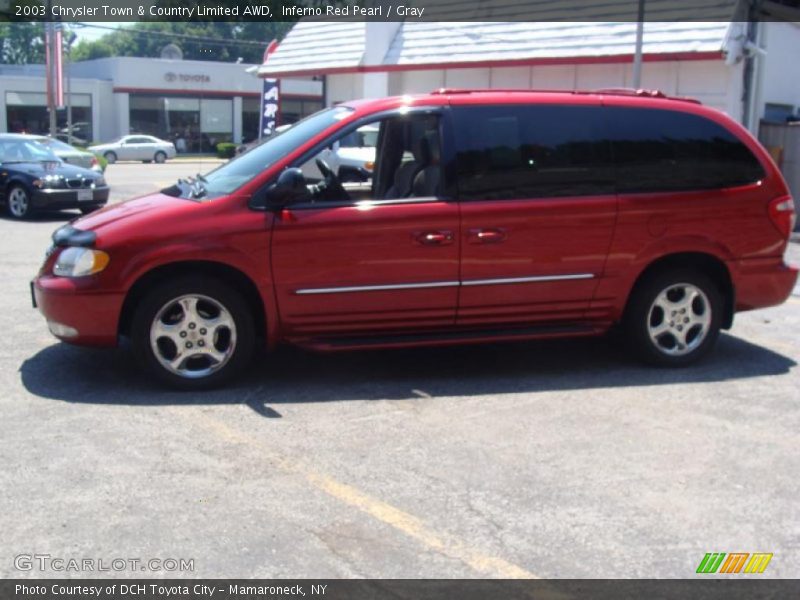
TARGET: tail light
(782,214)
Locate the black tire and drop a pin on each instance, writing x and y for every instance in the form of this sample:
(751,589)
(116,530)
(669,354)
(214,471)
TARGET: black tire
(160,157)
(158,297)
(18,202)
(111,157)
(673,348)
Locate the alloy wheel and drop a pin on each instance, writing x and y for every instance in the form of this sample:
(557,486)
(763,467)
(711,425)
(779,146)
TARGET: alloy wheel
(679,319)
(193,336)
(18,202)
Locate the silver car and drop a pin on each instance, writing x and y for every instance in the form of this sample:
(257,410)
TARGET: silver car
(135,147)
(70,154)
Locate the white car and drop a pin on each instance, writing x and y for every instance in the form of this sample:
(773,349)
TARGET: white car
(135,147)
(352,157)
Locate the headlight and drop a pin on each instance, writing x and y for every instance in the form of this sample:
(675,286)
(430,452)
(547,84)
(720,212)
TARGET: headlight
(79,262)
(100,182)
(50,182)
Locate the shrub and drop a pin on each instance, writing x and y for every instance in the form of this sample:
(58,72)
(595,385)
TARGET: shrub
(100,158)
(226,150)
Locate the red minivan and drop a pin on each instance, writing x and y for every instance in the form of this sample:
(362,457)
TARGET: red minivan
(490,215)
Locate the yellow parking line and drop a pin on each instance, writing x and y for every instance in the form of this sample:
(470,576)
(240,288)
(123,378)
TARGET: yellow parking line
(415,528)
(406,523)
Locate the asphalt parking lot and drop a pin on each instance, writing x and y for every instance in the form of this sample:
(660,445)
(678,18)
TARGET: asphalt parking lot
(552,459)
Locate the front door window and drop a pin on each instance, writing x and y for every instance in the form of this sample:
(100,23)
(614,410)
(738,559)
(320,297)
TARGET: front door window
(391,159)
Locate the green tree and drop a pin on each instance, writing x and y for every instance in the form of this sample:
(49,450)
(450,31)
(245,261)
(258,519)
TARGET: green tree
(218,41)
(21,43)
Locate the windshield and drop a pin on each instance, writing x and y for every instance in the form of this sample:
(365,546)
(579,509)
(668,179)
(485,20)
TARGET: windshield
(55,145)
(240,170)
(25,151)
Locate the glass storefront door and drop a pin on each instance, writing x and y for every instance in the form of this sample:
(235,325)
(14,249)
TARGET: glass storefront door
(192,124)
(26,112)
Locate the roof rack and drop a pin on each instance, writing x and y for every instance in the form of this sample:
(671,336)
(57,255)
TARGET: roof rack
(622,91)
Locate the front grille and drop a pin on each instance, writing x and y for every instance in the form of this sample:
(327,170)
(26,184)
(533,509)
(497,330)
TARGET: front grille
(78,182)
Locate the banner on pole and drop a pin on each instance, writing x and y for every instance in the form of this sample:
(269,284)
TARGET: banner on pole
(270,97)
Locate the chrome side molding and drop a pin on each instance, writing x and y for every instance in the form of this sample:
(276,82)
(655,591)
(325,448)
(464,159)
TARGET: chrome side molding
(442,284)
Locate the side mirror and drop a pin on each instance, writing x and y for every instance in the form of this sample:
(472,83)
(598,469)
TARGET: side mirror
(289,187)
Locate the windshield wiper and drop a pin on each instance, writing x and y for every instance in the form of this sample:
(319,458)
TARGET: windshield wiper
(198,190)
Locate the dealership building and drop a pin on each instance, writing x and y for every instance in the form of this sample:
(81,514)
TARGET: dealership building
(750,73)
(195,103)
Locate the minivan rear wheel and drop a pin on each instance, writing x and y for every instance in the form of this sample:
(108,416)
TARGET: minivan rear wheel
(674,317)
(194,333)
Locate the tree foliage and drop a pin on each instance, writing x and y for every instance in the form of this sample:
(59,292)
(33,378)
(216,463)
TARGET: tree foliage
(219,41)
(21,43)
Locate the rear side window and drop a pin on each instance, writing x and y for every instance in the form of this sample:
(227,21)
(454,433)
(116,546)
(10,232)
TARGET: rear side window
(537,151)
(661,150)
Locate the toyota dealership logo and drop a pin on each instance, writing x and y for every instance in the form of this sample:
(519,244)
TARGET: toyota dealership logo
(187,77)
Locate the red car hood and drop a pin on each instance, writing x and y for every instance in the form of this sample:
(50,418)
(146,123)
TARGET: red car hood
(132,212)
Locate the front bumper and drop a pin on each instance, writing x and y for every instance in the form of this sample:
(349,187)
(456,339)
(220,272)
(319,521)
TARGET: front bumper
(76,311)
(761,283)
(70,198)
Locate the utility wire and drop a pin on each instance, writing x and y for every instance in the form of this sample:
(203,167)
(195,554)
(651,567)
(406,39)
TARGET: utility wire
(183,36)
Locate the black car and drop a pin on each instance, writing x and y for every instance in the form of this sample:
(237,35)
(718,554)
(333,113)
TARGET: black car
(32,177)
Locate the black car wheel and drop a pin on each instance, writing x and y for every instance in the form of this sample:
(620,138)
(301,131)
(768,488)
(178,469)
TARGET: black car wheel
(19,202)
(110,157)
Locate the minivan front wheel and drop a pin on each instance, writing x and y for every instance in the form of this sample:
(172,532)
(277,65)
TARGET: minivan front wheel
(674,318)
(194,333)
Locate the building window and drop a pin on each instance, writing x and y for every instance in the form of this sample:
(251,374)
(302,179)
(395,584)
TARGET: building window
(292,110)
(26,112)
(250,119)
(192,124)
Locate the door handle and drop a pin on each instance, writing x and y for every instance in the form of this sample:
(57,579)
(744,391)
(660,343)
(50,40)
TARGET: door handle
(434,238)
(487,236)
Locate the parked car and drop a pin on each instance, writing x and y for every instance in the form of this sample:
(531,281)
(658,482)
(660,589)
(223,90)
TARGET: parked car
(355,154)
(68,154)
(32,177)
(145,148)
(72,140)
(490,216)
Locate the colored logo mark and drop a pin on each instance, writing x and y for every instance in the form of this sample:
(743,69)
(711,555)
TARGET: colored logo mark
(735,562)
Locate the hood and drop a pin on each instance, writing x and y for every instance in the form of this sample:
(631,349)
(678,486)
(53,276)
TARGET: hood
(133,215)
(40,169)
(74,152)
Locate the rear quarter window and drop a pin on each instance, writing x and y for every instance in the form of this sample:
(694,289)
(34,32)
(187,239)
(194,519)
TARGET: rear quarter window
(658,150)
(531,151)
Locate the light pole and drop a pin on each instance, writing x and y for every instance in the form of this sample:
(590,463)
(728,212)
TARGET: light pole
(637,57)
